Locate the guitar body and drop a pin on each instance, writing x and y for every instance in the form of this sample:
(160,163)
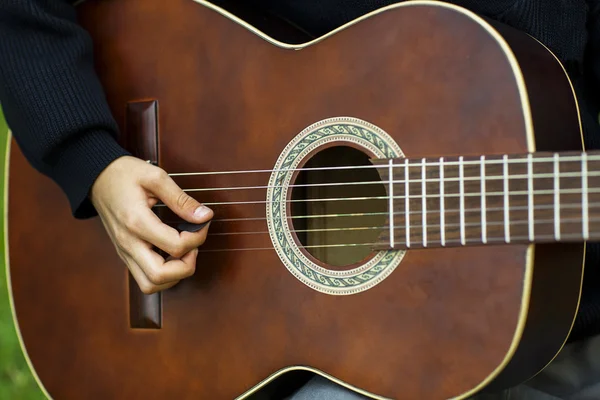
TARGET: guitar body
(430,79)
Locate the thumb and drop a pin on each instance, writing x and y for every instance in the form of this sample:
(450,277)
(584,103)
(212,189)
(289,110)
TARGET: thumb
(182,204)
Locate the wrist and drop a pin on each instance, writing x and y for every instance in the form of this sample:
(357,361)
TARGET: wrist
(80,164)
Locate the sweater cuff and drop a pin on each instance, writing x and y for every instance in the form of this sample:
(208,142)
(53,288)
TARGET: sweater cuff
(79,163)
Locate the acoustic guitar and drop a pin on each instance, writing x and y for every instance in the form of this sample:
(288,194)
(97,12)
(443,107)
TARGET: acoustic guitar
(401,206)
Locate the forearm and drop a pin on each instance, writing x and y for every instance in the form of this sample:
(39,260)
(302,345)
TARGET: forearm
(52,98)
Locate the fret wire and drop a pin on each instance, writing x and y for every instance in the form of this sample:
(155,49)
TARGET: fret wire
(584,197)
(391,201)
(424,203)
(530,196)
(506,200)
(462,199)
(407,201)
(483,202)
(442,205)
(556,198)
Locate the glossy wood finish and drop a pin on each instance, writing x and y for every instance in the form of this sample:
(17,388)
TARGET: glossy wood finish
(140,136)
(437,327)
(141,140)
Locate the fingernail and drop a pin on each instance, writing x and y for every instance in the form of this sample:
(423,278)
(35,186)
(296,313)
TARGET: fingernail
(201,212)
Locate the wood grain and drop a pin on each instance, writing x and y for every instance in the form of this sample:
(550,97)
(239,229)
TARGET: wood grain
(435,328)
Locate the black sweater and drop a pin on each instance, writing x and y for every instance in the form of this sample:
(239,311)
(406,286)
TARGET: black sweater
(55,105)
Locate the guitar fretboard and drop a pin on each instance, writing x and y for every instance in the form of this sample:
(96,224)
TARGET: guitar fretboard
(461,201)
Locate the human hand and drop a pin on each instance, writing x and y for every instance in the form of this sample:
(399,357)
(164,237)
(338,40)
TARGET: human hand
(123,195)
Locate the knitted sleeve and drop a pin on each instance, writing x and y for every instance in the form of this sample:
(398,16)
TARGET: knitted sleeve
(52,99)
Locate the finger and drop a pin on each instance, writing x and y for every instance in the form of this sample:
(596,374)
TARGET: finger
(145,285)
(148,227)
(182,204)
(159,271)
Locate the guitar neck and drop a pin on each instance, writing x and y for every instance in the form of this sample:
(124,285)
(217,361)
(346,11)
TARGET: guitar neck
(462,201)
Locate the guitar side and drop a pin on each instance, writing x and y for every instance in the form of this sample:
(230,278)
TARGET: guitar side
(558,269)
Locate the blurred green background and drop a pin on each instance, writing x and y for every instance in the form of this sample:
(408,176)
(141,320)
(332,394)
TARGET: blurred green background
(16,381)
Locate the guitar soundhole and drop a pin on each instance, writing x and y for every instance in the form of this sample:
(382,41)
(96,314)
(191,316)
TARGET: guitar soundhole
(323,199)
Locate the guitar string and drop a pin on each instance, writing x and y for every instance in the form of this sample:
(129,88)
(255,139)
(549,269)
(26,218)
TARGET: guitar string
(499,239)
(589,157)
(420,165)
(379,182)
(455,211)
(363,214)
(561,191)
